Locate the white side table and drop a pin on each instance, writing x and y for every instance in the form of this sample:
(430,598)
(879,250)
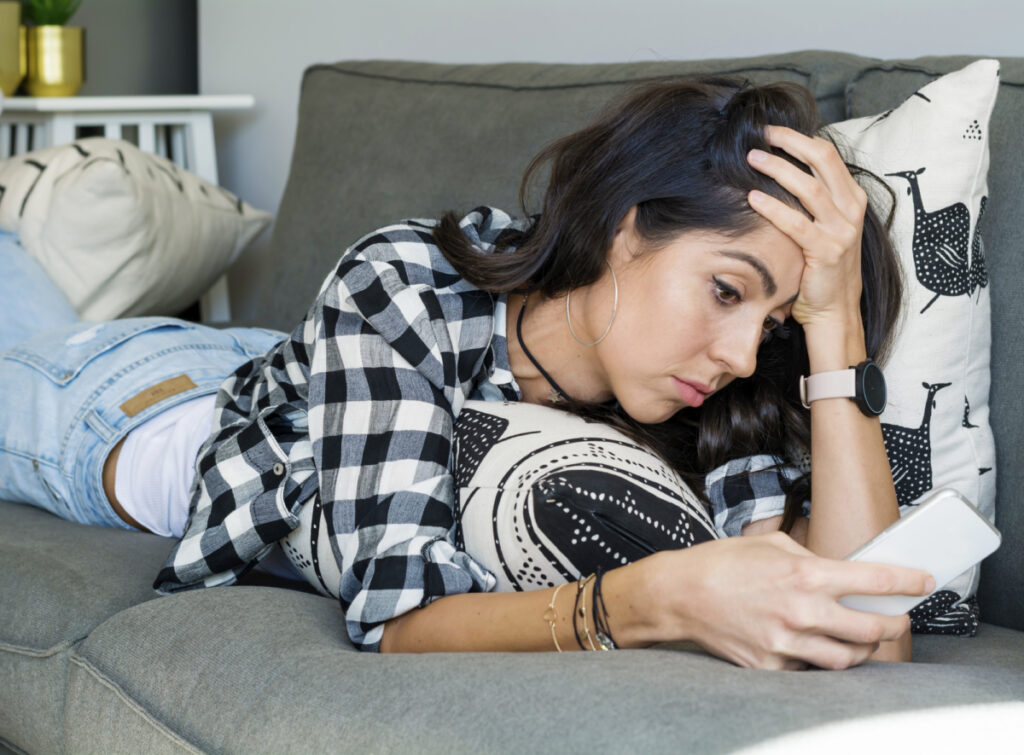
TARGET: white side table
(178,127)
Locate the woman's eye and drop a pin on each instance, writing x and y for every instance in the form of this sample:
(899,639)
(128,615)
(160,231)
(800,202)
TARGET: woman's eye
(726,294)
(773,329)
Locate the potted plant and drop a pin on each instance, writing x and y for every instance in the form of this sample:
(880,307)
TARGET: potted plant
(54,50)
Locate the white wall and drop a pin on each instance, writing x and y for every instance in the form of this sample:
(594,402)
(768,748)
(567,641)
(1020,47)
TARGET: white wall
(261,47)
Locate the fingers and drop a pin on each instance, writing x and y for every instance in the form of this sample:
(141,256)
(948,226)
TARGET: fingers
(833,225)
(827,165)
(834,656)
(811,191)
(818,240)
(856,578)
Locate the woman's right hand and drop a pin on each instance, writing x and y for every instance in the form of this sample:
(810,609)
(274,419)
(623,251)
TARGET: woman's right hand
(765,601)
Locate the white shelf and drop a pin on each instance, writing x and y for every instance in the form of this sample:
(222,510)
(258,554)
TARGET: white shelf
(159,103)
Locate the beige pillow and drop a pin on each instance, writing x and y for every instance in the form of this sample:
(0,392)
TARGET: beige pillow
(120,231)
(932,150)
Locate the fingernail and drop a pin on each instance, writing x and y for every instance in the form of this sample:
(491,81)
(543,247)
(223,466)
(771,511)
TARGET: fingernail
(757,156)
(930,584)
(756,196)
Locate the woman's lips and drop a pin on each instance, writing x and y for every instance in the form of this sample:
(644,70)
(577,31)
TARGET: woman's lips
(692,393)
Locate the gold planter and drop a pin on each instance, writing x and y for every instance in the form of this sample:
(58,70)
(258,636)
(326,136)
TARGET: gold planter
(11,71)
(56,66)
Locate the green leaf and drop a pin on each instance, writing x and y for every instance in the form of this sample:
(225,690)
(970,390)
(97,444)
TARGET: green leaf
(49,12)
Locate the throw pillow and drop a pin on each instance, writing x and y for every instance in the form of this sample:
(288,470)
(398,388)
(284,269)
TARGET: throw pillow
(932,151)
(544,497)
(120,231)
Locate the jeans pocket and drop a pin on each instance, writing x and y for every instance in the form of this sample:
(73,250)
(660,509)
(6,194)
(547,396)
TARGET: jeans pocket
(62,354)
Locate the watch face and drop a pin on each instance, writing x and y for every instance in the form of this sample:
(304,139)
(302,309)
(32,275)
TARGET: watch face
(874,387)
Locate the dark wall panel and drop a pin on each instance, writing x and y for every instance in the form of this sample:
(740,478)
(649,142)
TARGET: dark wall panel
(139,46)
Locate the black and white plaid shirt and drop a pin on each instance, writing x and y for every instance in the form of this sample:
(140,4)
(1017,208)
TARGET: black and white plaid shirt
(355,409)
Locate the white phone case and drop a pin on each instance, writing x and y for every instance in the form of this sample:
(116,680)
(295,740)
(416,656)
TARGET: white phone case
(944,536)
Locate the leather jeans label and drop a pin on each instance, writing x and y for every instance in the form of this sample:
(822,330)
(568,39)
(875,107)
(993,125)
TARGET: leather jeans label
(155,393)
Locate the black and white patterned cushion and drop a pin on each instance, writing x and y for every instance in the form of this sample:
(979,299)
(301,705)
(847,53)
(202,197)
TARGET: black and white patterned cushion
(544,497)
(933,152)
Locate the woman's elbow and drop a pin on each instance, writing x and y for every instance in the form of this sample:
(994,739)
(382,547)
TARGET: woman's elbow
(771,524)
(389,640)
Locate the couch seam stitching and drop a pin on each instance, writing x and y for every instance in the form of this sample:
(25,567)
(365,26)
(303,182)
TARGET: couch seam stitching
(34,653)
(904,68)
(333,68)
(131,703)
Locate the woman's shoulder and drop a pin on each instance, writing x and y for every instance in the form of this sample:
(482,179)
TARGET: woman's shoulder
(410,243)
(398,273)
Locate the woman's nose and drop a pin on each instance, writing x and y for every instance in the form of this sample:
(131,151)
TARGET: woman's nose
(735,349)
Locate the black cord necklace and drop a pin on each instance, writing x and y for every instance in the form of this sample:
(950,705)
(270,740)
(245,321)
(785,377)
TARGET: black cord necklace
(559,393)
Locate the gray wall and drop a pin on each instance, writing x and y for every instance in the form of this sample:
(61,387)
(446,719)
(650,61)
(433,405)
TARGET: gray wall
(261,47)
(139,46)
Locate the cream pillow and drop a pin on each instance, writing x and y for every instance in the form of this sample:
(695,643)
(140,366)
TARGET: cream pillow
(932,151)
(120,231)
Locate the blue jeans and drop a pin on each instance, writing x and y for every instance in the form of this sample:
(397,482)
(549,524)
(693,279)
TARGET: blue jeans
(71,390)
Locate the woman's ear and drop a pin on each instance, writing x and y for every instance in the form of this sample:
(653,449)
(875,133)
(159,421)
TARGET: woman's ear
(626,243)
(628,222)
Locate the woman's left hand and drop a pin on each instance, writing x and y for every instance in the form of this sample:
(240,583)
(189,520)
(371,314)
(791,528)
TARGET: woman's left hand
(831,285)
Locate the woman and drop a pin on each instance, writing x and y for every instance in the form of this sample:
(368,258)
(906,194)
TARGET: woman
(680,236)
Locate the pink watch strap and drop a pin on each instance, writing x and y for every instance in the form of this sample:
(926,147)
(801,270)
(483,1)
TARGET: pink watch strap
(834,384)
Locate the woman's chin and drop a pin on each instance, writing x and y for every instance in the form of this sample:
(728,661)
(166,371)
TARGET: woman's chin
(652,412)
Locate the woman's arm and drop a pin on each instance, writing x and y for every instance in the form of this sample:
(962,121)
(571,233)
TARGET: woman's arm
(851,486)
(758,602)
(851,481)
(518,621)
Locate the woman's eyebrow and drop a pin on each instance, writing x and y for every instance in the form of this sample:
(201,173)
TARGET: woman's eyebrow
(767,281)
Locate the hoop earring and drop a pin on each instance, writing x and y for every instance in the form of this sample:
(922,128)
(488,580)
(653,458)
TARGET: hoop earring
(615,308)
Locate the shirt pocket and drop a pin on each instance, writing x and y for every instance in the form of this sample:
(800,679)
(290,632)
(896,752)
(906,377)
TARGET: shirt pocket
(62,354)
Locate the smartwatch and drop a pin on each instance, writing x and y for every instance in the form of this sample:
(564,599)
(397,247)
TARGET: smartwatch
(863,384)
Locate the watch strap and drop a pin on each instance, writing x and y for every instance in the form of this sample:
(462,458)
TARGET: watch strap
(833,384)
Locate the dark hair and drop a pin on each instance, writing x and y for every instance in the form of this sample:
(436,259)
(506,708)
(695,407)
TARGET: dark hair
(676,149)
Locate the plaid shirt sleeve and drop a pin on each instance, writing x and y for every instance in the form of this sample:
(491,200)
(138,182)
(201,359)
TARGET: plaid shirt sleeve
(354,412)
(749,489)
(392,364)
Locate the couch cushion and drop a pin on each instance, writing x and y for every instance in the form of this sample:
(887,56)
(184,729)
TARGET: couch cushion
(885,85)
(230,666)
(60,580)
(378,141)
(63,579)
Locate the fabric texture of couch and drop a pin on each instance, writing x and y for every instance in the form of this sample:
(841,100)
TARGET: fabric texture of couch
(91,660)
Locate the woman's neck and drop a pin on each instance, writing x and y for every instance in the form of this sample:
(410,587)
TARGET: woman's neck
(575,368)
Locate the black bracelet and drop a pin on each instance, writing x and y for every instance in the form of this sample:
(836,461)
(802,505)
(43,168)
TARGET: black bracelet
(600,612)
(576,613)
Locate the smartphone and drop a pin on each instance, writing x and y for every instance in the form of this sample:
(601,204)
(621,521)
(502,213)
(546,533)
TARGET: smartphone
(945,535)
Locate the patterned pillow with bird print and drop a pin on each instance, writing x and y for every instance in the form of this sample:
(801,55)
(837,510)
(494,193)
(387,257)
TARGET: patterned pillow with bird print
(932,151)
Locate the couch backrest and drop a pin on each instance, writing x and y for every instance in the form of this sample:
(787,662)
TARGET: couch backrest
(378,141)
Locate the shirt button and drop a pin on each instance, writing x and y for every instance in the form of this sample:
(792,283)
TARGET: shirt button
(279,469)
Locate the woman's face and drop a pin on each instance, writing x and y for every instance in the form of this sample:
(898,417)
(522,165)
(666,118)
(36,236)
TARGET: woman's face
(691,314)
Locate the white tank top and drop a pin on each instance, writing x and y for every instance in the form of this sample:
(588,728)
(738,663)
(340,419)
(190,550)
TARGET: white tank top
(157,465)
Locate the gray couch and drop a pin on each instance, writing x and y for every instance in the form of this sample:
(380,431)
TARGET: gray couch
(91,660)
